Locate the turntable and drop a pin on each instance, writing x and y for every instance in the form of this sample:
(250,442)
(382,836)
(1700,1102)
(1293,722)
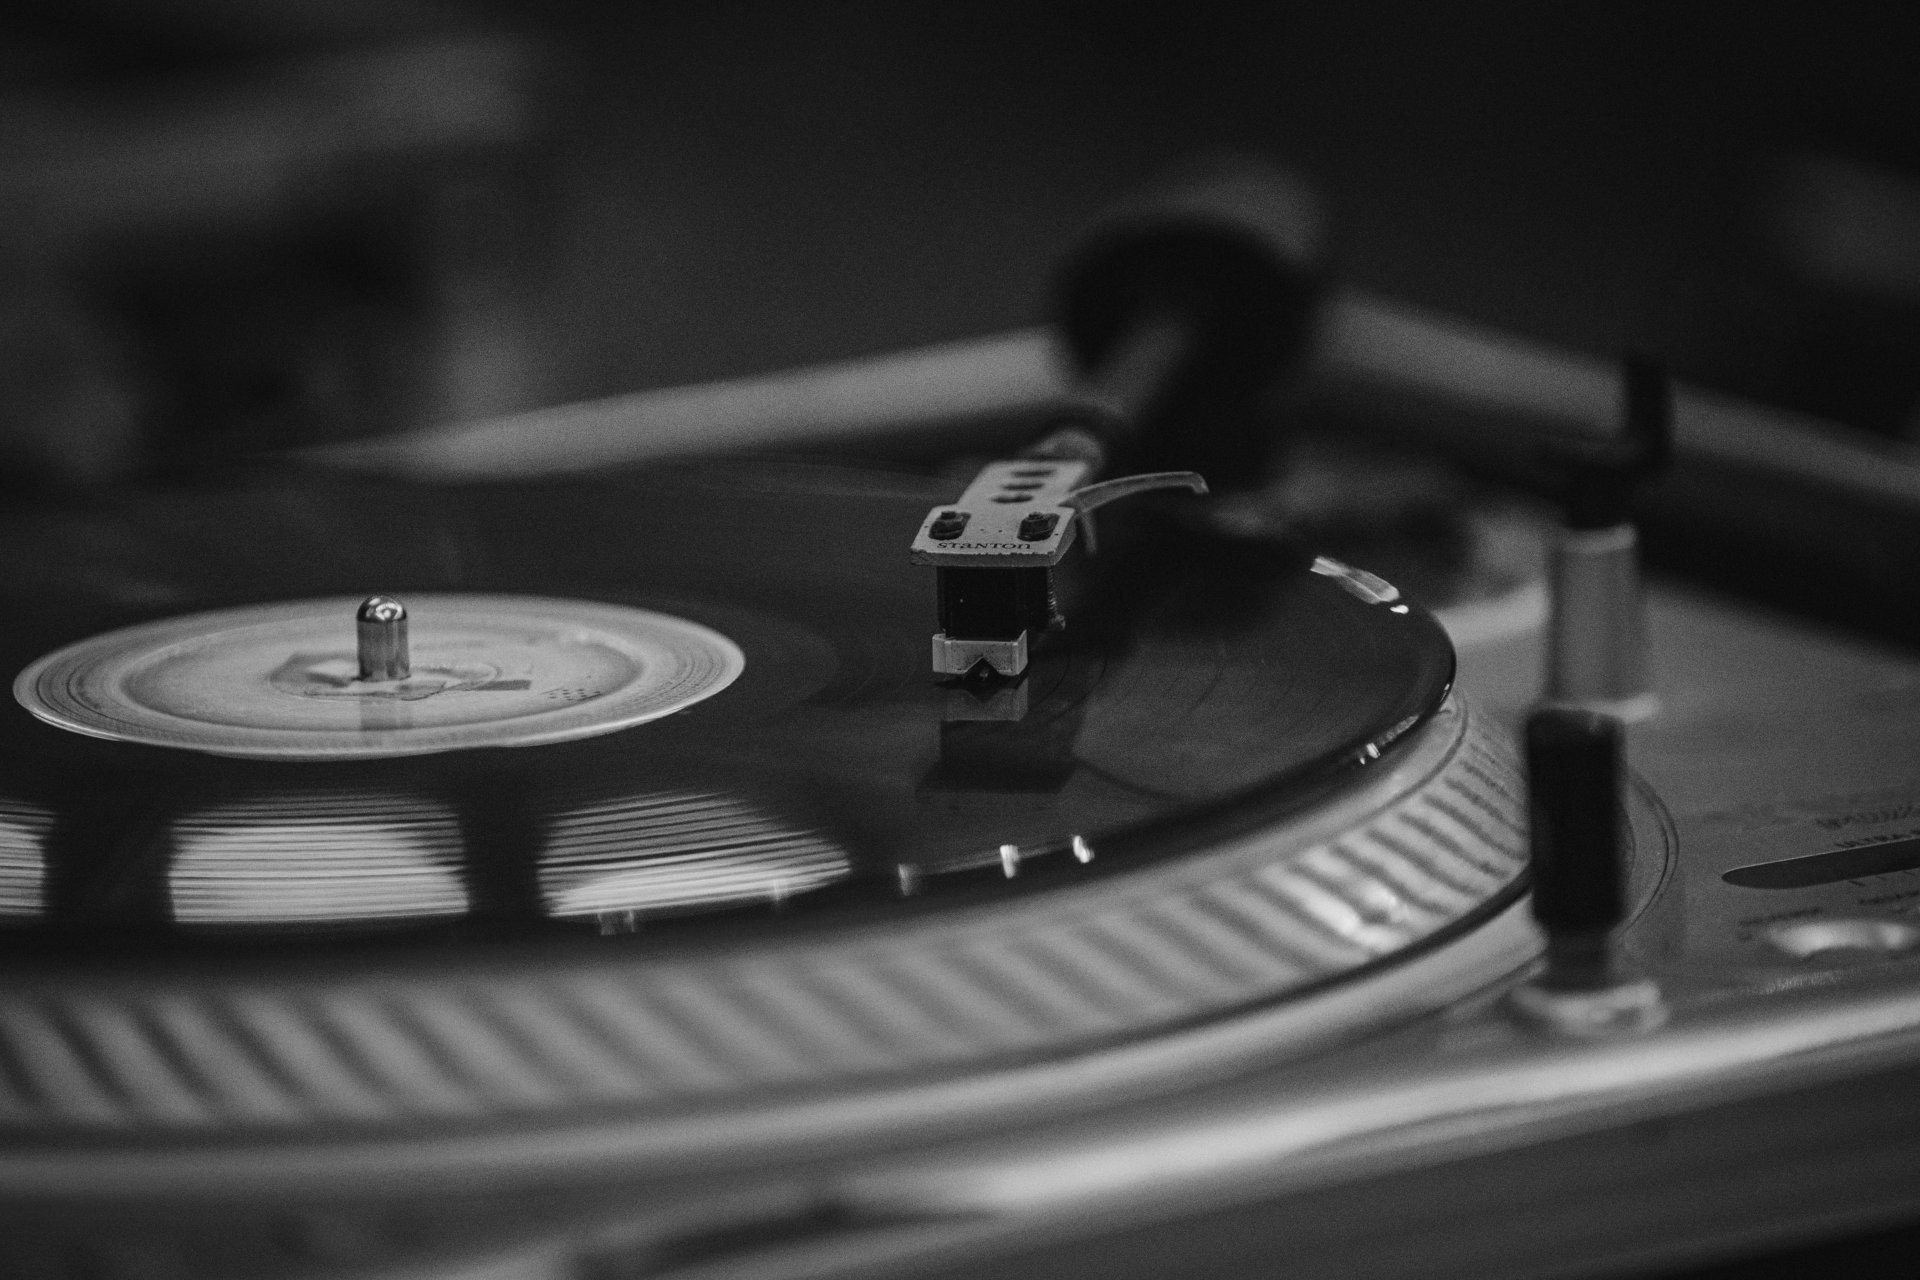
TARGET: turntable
(736,865)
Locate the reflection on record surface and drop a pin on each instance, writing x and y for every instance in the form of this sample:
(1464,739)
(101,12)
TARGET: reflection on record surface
(23,852)
(326,857)
(629,857)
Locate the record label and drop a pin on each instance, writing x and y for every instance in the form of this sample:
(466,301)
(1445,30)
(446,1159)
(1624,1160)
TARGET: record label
(282,681)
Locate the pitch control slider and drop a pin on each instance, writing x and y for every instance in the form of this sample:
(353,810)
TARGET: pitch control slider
(995,548)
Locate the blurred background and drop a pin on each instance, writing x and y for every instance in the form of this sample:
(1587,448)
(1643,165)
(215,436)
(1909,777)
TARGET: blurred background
(232,226)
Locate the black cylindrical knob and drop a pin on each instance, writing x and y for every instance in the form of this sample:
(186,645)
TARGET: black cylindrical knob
(1603,475)
(1574,773)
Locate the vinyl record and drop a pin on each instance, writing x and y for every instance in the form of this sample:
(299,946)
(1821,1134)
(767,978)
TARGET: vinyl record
(1198,686)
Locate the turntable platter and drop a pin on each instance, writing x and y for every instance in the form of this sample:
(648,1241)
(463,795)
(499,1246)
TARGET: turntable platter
(1231,787)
